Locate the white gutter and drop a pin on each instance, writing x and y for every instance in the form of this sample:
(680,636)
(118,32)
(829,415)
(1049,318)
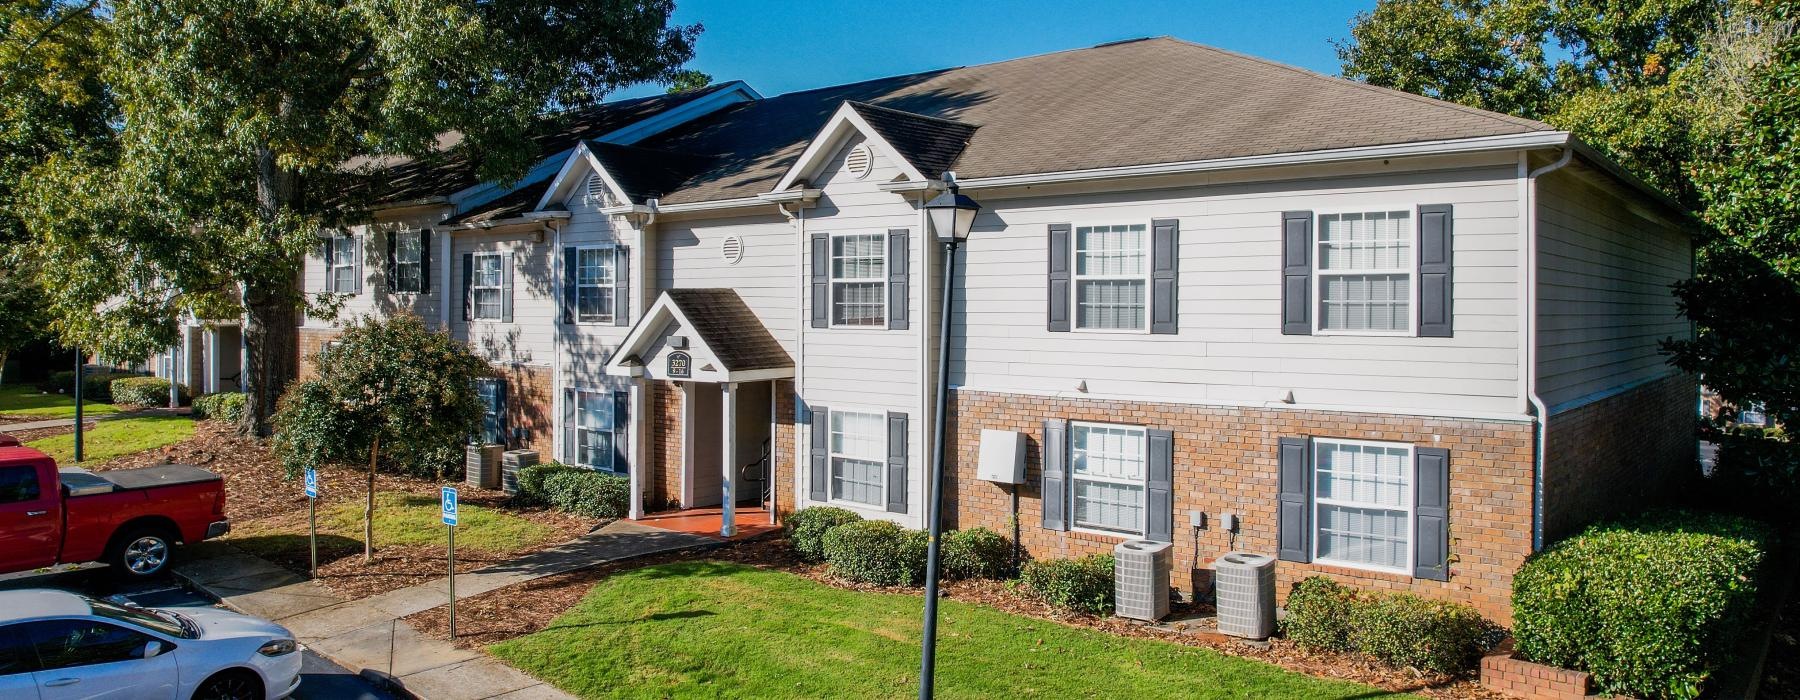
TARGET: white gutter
(556,349)
(1529,275)
(713,204)
(801,282)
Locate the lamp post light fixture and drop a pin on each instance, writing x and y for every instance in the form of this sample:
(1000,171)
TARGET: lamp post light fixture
(952,216)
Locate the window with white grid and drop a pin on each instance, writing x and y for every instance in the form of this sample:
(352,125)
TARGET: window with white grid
(1366,268)
(594,429)
(487,286)
(858,443)
(1363,500)
(1112,272)
(594,285)
(409,256)
(1107,476)
(859,280)
(343,264)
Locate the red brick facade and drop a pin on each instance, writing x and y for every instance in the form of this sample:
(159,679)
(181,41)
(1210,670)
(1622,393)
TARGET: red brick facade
(1619,453)
(1501,672)
(529,408)
(662,482)
(785,461)
(311,341)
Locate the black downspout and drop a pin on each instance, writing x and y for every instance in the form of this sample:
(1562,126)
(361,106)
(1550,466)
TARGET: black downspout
(928,656)
(78,382)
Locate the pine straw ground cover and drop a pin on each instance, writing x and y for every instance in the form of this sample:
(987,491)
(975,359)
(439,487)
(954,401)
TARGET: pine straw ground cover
(518,611)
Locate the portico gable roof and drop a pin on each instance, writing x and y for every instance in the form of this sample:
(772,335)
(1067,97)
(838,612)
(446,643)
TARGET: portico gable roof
(722,339)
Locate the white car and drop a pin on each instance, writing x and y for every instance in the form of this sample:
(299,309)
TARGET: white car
(59,646)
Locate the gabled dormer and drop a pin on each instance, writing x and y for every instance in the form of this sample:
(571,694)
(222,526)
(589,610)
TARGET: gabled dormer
(922,146)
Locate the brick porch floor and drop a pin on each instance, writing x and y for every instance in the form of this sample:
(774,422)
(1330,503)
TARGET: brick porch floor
(751,521)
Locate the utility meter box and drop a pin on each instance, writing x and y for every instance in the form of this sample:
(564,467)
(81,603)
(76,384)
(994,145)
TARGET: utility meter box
(1002,457)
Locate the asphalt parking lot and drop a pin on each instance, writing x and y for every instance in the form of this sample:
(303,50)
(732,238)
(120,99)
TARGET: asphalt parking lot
(320,679)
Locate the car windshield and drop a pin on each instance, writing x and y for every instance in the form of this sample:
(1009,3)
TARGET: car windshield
(166,622)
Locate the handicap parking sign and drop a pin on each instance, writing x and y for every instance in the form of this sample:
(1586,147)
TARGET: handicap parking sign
(312,483)
(449,506)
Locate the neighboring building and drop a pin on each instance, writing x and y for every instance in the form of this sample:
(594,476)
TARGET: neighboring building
(1201,283)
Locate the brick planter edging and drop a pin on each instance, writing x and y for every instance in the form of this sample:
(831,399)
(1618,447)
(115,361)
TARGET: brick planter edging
(1504,673)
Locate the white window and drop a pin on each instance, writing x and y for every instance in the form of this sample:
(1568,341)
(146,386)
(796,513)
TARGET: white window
(594,430)
(1363,502)
(409,256)
(1365,272)
(1112,274)
(1754,414)
(1107,477)
(859,280)
(594,285)
(487,286)
(343,264)
(857,446)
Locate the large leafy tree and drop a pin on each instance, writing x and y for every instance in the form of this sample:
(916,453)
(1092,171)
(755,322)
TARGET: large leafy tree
(236,121)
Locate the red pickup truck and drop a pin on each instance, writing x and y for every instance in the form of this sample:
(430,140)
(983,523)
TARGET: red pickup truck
(130,518)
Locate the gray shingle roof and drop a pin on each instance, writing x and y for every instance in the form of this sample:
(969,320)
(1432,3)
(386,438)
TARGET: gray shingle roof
(516,203)
(728,326)
(930,144)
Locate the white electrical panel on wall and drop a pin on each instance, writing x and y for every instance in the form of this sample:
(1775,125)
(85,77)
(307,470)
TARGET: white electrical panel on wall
(1002,457)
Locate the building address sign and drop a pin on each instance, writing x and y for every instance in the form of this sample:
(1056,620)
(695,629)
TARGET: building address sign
(681,365)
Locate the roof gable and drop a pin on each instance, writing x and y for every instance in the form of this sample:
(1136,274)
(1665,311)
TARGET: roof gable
(847,120)
(722,339)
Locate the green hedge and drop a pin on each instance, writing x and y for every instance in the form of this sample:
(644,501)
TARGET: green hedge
(974,553)
(1400,629)
(1083,585)
(227,406)
(877,552)
(96,385)
(1650,606)
(144,391)
(806,529)
(575,489)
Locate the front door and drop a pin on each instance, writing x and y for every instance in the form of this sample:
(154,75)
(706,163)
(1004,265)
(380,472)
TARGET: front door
(29,519)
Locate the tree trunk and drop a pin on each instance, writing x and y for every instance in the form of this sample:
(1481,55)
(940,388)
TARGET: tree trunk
(3,355)
(271,306)
(369,505)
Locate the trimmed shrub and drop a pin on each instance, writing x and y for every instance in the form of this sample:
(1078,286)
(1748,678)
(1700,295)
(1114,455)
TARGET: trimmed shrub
(1650,606)
(877,552)
(575,489)
(806,529)
(144,391)
(1082,585)
(96,385)
(974,553)
(1318,614)
(1407,631)
(227,406)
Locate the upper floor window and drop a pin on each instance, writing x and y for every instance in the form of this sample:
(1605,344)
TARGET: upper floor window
(488,285)
(857,441)
(1365,272)
(859,280)
(1111,276)
(1363,501)
(343,265)
(409,261)
(594,270)
(1108,472)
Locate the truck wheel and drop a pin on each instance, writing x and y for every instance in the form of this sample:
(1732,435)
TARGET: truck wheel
(141,553)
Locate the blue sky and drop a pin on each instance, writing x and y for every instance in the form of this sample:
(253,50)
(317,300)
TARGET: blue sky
(799,44)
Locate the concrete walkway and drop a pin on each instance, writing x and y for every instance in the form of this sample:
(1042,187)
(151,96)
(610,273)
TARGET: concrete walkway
(89,419)
(368,635)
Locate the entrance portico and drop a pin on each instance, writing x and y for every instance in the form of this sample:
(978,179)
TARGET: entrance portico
(710,344)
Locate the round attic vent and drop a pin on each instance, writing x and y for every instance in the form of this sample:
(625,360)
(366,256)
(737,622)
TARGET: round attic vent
(859,161)
(732,249)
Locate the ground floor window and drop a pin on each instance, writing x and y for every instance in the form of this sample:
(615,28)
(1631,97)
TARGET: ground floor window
(857,443)
(594,430)
(1363,501)
(1108,473)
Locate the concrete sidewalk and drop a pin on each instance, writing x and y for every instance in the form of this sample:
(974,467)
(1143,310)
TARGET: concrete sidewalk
(369,636)
(90,419)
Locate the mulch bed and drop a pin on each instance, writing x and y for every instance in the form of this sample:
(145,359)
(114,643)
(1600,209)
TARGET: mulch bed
(520,610)
(1781,669)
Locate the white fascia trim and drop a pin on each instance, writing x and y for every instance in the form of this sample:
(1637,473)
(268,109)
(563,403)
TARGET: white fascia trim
(911,186)
(1272,405)
(1510,142)
(804,194)
(816,150)
(409,203)
(568,175)
(711,205)
(634,340)
(528,218)
(628,209)
(734,92)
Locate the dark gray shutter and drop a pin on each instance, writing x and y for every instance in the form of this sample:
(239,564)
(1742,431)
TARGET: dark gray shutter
(425,261)
(821,280)
(1159,491)
(568,421)
(1056,464)
(329,247)
(467,293)
(506,287)
(1057,303)
(1294,509)
(899,248)
(393,261)
(621,286)
(502,426)
(621,430)
(819,468)
(1431,513)
(1165,250)
(1435,224)
(1296,272)
(896,463)
(356,244)
(571,271)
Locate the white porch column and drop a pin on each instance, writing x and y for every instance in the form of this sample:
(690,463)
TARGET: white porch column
(640,459)
(211,339)
(728,435)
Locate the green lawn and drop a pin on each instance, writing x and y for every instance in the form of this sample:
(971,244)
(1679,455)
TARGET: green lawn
(704,629)
(409,519)
(24,400)
(121,436)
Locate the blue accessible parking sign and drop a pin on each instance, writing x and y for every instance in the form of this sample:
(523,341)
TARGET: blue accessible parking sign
(312,483)
(449,506)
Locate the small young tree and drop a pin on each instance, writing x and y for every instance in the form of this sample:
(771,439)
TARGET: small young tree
(390,391)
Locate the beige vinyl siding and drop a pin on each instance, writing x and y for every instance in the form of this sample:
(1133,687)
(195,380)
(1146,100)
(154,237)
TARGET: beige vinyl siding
(1230,348)
(528,340)
(375,299)
(689,256)
(586,346)
(1604,296)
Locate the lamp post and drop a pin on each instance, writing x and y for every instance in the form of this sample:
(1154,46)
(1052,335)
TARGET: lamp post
(952,215)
